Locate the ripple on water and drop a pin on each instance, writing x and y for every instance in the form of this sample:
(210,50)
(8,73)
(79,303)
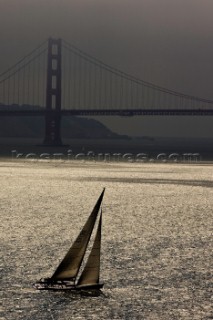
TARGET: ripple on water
(157,239)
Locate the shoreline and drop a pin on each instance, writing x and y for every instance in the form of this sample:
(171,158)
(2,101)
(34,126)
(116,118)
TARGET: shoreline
(85,162)
(87,147)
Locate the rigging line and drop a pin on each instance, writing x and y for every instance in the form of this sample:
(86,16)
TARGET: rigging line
(137,81)
(106,67)
(128,76)
(69,82)
(110,90)
(14,89)
(18,80)
(100,86)
(38,81)
(25,65)
(79,82)
(131,95)
(89,85)
(23,86)
(95,89)
(74,82)
(124,75)
(84,86)
(121,93)
(44,66)
(25,57)
(115,100)
(33,83)
(8,92)
(65,85)
(28,87)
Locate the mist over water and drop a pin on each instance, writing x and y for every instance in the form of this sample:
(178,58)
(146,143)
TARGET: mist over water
(156,242)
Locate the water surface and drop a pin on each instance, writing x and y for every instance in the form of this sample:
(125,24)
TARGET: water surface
(157,238)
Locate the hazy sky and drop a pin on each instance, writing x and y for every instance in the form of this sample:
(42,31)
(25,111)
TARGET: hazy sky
(167,42)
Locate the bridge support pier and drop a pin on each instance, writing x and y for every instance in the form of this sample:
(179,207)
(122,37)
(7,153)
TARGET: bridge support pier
(53,95)
(52,129)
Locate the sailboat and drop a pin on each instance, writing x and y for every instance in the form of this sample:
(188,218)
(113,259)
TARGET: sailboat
(66,275)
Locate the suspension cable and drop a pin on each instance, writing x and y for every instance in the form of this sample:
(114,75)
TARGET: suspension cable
(127,76)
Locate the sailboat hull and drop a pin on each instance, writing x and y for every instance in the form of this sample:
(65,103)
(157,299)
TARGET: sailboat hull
(61,286)
(56,287)
(90,286)
(46,284)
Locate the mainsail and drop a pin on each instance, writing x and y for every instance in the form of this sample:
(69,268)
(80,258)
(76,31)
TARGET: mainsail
(69,266)
(91,272)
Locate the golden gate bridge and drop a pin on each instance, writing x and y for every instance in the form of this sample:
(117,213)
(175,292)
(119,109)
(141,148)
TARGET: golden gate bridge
(57,79)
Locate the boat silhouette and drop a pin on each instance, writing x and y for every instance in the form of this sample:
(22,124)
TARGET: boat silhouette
(66,275)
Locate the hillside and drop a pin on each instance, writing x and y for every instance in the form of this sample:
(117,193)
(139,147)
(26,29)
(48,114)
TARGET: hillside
(72,127)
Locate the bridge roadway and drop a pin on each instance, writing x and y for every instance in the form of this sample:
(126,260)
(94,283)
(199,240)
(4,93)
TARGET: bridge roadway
(111,112)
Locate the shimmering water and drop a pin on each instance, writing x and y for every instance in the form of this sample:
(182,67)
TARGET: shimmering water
(157,239)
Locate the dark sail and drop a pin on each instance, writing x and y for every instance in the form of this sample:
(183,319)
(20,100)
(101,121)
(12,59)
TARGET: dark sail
(69,267)
(91,272)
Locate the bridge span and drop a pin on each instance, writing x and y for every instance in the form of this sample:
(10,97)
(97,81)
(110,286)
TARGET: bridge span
(57,80)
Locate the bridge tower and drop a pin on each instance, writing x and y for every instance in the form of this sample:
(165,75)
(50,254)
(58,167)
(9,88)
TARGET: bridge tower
(53,95)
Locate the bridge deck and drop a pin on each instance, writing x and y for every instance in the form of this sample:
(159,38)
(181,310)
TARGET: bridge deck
(113,112)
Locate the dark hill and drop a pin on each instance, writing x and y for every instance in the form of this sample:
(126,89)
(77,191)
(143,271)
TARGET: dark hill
(72,127)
